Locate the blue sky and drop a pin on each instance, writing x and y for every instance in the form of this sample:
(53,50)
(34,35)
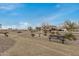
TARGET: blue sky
(32,14)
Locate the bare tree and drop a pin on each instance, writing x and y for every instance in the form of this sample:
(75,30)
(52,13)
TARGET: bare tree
(69,26)
(30,28)
(31,31)
(45,28)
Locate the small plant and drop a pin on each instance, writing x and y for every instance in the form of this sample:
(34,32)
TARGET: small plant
(6,34)
(19,32)
(70,36)
(32,35)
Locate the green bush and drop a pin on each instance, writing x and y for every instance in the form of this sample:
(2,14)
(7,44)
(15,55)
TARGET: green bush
(70,36)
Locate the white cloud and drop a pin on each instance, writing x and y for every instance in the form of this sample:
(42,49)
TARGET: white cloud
(24,25)
(8,7)
(21,25)
(9,26)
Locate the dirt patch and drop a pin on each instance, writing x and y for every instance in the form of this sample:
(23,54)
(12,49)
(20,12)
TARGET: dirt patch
(5,44)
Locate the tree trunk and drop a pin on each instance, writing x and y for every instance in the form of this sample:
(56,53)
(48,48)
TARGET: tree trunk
(39,34)
(63,41)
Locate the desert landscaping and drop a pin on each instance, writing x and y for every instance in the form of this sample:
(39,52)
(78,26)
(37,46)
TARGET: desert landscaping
(45,40)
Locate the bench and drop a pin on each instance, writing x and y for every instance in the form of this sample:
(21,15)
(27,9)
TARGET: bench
(57,37)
